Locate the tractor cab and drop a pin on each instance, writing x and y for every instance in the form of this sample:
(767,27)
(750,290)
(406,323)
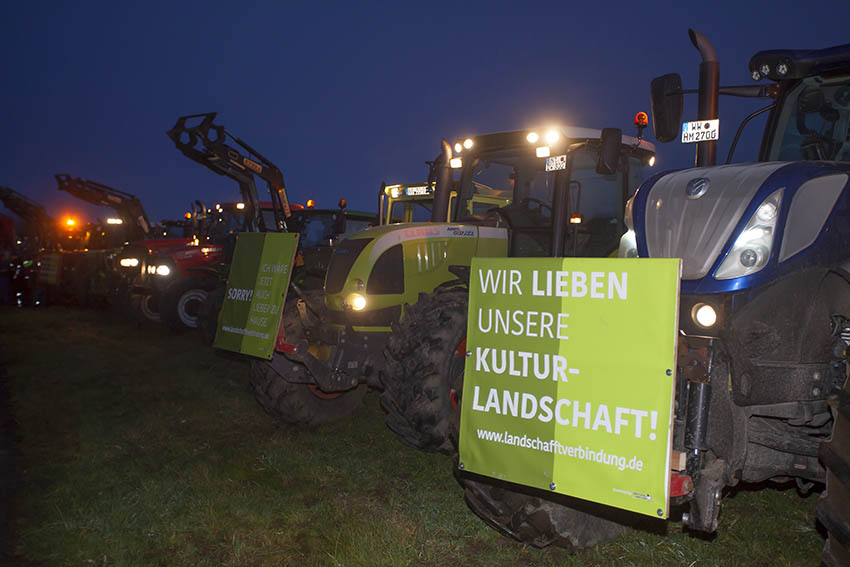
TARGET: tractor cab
(409,203)
(325,227)
(814,121)
(518,180)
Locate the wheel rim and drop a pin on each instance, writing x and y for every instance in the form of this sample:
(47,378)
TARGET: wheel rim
(456,367)
(147,309)
(189,305)
(323,395)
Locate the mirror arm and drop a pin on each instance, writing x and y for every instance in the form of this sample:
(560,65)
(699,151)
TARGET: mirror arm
(741,129)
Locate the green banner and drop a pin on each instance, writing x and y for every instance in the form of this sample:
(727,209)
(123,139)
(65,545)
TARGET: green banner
(569,376)
(256,291)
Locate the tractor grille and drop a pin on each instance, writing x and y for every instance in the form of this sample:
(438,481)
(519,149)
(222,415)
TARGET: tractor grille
(697,228)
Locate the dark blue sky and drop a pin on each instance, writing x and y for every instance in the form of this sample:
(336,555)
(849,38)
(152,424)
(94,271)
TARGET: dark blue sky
(343,95)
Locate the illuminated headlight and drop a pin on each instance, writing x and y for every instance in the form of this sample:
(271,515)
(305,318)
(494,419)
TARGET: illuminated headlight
(240,206)
(456,163)
(752,248)
(543,151)
(704,315)
(128,262)
(163,270)
(458,147)
(395,192)
(651,161)
(532,137)
(356,301)
(552,136)
(113,220)
(766,212)
(467,143)
(628,245)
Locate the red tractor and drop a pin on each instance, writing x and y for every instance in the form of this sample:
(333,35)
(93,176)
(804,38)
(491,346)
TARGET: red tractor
(179,280)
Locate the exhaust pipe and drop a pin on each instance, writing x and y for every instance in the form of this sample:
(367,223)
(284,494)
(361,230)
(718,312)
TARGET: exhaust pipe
(443,188)
(709,85)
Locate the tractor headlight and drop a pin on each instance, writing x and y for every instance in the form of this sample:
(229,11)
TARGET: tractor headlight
(356,301)
(628,214)
(752,248)
(704,315)
(628,245)
(163,270)
(128,262)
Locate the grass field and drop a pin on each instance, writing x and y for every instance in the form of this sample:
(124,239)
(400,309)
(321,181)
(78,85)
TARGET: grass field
(142,447)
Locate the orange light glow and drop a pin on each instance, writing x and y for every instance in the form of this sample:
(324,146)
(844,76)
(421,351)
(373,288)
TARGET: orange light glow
(311,203)
(70,222)
(187,216)
(641,119)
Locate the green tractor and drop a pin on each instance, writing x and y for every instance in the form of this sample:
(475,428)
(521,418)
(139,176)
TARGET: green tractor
(285,389)
(519,193)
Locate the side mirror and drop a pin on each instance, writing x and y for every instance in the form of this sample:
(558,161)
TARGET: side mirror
(667,106)
(609,151)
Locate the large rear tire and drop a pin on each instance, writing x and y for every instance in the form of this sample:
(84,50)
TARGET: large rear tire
(530,519)
(300,404)
(833,509)
(424,369)
(295,403)
(181,302)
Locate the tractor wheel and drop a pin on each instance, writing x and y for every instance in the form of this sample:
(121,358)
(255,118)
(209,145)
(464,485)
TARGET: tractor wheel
(425,359)
(181,302)
(833,509)
(568,523)
(300,404)
(208,314)
(145,308)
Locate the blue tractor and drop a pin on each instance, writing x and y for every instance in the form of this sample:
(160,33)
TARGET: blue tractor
(762,390)
(761,387)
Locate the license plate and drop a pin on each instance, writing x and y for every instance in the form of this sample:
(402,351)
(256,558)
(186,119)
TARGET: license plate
(700,131)
(555,163)
(420,190)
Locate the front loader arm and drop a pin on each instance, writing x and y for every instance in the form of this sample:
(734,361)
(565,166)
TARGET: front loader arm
(30,211)
(128,206)
(206,143)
